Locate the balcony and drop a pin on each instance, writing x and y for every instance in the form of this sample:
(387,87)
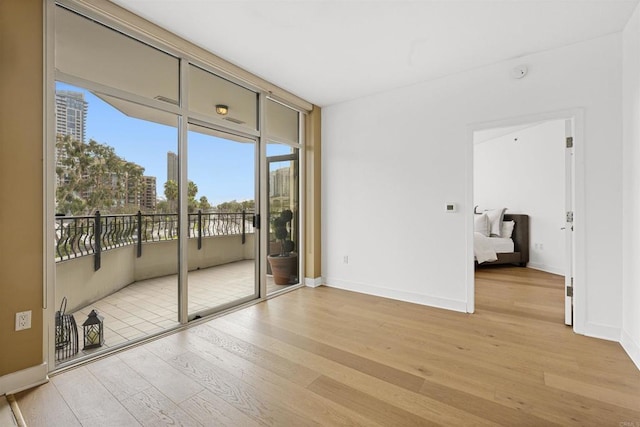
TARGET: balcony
(125,267)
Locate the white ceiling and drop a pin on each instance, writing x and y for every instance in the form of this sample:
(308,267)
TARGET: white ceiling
(332,51)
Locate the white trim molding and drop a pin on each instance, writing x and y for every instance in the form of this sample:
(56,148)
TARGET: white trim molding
(631,347)
(604,332)
(449,304)
(579,207)
(313,283)
(24,379)
(546,268)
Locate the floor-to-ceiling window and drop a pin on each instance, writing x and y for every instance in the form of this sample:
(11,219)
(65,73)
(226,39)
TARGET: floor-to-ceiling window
(116,230)
(158,194)
(116,220)
(283,195)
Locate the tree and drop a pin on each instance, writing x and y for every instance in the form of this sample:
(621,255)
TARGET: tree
(204,204)
(162,206)
(93,177)
(192,190)
(171,193)
(235,206)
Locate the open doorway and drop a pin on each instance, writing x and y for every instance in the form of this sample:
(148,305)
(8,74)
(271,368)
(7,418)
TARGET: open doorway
(523,199)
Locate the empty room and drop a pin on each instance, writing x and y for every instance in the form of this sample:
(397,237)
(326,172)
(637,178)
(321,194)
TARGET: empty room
(320,212)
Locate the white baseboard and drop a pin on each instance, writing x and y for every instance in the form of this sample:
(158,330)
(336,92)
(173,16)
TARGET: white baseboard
(604,332)
(313,283)
(546,268)
(24,379)
(422,299)
(631,347)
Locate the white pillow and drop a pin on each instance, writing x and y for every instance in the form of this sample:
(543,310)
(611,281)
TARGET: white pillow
(495,221)
(507,229)
(481,224)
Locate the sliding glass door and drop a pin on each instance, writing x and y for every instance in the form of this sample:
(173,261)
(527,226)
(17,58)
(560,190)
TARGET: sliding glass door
(165,169)
(222,242)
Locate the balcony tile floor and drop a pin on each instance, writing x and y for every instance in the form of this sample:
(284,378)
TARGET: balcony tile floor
(150,306)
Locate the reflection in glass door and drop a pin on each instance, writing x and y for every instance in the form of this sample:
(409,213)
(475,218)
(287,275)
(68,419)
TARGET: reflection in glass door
(283,217)
(222,242)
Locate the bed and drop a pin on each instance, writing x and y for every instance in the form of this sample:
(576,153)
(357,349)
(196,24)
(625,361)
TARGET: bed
(514,250)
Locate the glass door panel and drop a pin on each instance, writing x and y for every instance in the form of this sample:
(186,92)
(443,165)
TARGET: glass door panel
(222,242)
(116,236)
(283,217)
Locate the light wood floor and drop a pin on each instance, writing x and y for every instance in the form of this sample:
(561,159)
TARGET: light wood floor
(329,357)
(150,306)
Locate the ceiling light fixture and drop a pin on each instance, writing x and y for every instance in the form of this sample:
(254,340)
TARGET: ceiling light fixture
(222,109)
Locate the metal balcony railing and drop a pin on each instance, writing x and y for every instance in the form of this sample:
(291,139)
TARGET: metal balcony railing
(78,236)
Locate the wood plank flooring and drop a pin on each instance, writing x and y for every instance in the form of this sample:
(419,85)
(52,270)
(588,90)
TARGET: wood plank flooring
(329,357)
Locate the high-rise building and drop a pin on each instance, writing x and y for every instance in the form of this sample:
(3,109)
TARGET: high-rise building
(281,191)
(71,118)
(71,114)
(172,166)
(148,196)
(280,182)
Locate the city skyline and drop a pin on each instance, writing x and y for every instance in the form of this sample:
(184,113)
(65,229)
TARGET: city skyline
(222,169)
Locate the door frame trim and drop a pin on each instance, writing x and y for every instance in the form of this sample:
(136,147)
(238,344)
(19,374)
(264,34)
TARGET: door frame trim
(579,204)
(184,283)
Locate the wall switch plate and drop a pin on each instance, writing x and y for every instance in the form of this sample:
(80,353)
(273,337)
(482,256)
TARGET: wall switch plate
(450,207)
(23,320)
(345,259)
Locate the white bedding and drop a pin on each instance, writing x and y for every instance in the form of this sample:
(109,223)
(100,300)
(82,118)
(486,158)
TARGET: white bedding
(502,245)
(486,248)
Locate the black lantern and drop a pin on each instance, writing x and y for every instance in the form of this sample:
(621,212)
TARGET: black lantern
(93,331)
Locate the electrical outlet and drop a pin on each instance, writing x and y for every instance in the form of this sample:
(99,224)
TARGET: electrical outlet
(345,259)
(23,320)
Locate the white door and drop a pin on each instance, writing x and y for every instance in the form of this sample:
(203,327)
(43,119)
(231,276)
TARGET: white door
(568,228)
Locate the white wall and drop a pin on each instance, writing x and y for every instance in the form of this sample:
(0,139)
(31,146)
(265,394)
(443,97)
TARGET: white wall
(81,284)
(392,160)
(524,171)
(631,190)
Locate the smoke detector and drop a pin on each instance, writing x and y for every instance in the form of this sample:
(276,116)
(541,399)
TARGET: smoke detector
(519,72)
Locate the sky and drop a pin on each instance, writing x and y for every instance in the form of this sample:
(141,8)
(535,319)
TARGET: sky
(222,169)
